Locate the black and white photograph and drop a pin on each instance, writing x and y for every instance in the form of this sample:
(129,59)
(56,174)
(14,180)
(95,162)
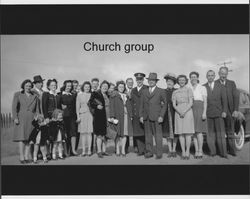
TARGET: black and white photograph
(125,99)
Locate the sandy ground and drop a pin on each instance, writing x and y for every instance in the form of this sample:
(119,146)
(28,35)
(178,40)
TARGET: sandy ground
(242,157)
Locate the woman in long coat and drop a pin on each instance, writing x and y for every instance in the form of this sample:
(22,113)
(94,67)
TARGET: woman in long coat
(121,110)
(97,106)
(138,127)
(24,107)
(169,117)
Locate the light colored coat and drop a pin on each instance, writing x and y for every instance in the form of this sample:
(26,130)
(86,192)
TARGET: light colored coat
(24,108)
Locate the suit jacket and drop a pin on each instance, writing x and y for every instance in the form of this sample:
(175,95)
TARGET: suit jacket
(39,95)
(232,95)
(154,105)
(216,100)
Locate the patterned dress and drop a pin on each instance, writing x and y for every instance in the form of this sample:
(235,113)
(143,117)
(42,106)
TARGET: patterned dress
(83,112)
(183,125)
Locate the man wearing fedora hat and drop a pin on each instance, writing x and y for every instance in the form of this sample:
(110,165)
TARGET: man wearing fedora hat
(138,128)
(37,89)
(152,110)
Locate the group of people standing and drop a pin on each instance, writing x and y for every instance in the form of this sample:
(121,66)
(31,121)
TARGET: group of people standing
(51,123)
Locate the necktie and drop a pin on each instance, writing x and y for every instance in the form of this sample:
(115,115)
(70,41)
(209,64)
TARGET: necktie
(211,88)
(150,90)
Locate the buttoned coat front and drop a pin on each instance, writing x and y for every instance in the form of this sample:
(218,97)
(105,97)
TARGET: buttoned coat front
(138,128)
(24,108)
(117,112)
(154,105)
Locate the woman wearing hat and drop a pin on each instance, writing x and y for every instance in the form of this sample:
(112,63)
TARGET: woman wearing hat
(199,109)
(184,119)
(168,122)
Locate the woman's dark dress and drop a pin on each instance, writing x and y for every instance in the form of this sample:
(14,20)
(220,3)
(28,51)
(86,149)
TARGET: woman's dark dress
(69,113)
(50,102)
(167,129)
(36,130)
(99,116)
(55,126)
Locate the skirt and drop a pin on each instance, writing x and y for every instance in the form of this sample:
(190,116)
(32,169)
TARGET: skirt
(86,124)
(199,124)
(125,133)
(70,126)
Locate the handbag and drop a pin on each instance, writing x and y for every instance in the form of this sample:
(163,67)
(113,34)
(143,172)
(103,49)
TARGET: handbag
(111,131)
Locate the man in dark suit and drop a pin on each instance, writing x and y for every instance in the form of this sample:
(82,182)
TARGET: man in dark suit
(232,107)
(152,110)
(38,89)
(129,87)
(138,128)
(216,111)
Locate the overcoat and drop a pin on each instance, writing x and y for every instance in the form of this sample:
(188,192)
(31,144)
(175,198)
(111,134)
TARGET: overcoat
(138,128)
(99,116)
(24,108)
(169,117)
(39,95)
(117,112)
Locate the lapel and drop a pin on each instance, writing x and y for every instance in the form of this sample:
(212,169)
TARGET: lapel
(119,96)
(138,94)
(29,100)
(209,92)
(152,94)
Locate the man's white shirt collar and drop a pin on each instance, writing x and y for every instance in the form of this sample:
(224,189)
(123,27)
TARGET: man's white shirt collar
(152,89)
(139,88)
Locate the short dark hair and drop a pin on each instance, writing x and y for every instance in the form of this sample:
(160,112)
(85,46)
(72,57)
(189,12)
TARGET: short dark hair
(223,67)
(130,78)
(75,81)
(121,82)
(104,82)
(182,76)
(210,71)
(25,82)
(95,79)
(64,85)
(49,82)
(194,73)
(86,83)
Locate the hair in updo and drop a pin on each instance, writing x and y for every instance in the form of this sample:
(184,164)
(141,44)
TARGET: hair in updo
(50,81)
(182,76)
(194,73)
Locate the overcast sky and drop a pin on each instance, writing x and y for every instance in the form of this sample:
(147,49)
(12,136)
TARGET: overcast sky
(62,57)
